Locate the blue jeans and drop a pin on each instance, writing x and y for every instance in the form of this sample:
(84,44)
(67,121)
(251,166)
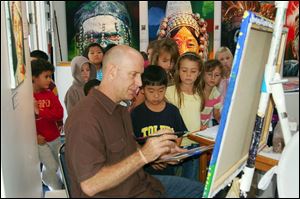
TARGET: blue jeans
(179,187)
(190,166)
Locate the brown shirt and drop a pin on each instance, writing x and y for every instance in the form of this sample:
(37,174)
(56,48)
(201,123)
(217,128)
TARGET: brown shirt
(99,132)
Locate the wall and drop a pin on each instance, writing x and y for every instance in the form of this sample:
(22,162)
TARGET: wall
(20,176)
(59,7)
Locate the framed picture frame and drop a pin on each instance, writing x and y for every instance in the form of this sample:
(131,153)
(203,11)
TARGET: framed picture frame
(15,37)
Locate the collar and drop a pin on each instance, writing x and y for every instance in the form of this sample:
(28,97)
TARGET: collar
(106,102)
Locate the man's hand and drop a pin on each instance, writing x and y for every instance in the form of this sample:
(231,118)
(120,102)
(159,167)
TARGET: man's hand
(174,151)
(158,146)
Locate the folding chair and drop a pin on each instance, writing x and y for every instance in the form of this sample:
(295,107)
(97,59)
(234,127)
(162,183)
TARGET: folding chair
(63,168)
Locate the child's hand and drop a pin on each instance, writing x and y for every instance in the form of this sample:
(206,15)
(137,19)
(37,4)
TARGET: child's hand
(41,140)
(203,127)
(36,107)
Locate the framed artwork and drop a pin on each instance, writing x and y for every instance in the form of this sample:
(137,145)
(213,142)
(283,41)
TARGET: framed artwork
(189,20)
(232,15)
(291,58)
(15,37)
(103,22)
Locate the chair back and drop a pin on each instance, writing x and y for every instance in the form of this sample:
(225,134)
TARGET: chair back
(63,168)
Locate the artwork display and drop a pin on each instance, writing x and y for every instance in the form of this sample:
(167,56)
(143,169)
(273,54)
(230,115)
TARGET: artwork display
(103,22)
(15,37)
(190,24)
(291,58)
(232,15)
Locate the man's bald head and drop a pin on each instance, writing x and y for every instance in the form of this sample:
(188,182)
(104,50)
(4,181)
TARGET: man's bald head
(119,54)
(122,69)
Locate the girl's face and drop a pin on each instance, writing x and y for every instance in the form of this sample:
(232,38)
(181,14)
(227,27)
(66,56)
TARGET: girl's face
(85,72)
(165,61)
(188,71)
(149,53)
(226,59)
(212,78)
(95,55)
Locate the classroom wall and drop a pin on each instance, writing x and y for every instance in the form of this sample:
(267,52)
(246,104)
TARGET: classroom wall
(20,175)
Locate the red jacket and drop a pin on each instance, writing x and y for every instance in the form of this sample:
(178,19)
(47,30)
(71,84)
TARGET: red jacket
(50,111)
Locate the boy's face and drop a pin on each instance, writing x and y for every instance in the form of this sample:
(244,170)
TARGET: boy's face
(43,80)
(154,95)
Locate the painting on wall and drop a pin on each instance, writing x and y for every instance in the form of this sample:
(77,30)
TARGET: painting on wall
(232,15)
(189,23)
(291,58)
(103,22)
(15,37)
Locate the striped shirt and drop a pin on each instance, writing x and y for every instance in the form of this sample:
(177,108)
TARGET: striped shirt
(213,102)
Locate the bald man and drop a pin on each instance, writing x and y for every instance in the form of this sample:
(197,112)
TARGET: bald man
(103,158)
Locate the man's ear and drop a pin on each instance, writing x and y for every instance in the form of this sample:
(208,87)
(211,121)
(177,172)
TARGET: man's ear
(143,90)
(112,71)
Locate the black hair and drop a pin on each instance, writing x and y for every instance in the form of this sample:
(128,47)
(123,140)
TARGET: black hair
(154,76)
(39,54)
(144,54)
(87,49)
(89,85)
(40,65)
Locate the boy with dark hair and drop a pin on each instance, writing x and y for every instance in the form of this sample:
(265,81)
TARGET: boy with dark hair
(38,54)
(155,113)
(89,85)
(48,111)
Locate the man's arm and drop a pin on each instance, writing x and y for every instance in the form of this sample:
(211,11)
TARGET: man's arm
(111,176)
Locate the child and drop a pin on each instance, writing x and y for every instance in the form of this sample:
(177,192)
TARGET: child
(82,71)
(225,56)
(94,52)
(187,95)
(145,56)
(210,79)
(165,54)
(48,111)
(155,113)
(93,83)
(38,54)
